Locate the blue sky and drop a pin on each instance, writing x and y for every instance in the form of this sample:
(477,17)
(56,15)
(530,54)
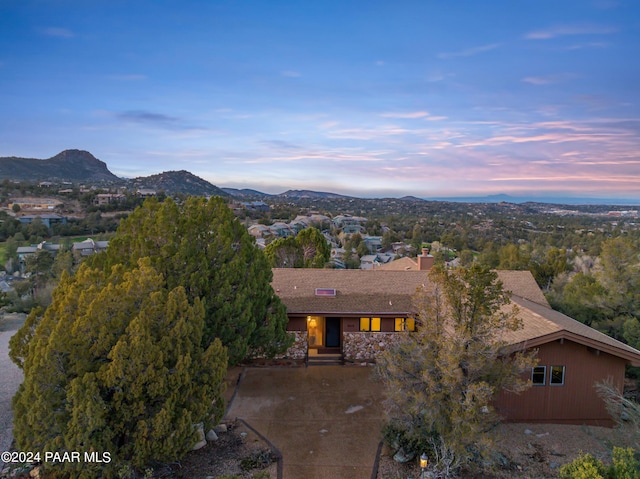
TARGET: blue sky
(370,98)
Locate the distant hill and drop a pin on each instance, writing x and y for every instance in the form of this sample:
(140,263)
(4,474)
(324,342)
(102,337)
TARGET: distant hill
(564,200)
(310,194)
(172,182)
(245,193)
(77,166)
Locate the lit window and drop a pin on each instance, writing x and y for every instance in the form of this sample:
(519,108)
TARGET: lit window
(538,375)
(370,324)
(375,324)
(405,324)
(556,377)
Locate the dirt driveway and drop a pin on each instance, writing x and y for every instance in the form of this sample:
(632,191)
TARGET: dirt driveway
(325,420)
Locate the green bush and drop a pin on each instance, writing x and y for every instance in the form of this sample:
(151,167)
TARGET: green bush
(625,464)
(584,467)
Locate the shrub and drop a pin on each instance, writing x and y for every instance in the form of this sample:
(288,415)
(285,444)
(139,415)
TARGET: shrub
(584,466)
(625,464)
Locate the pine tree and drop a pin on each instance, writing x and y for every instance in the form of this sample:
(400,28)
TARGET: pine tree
(440,380)
(201,246)
(116,365)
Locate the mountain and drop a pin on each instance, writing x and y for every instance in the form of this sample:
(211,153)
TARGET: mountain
(172,182)
(310,194)
(70,165)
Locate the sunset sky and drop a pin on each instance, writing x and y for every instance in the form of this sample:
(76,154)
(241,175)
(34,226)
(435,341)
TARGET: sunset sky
(367,98)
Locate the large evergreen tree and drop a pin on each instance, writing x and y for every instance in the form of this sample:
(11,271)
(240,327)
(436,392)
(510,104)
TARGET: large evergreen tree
(116,365)
(201,246)
(440,380)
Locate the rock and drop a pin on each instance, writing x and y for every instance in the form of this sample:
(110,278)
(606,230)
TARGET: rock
(211,435)
(199,445)
(554,465)
(528,432)
(201,438)
(501,459)
(220,429)
(403,457)
(35,472)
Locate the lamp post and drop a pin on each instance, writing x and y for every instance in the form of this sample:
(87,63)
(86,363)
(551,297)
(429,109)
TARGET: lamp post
(424,461)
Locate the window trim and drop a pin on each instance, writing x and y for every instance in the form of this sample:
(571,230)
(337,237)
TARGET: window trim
(544,375)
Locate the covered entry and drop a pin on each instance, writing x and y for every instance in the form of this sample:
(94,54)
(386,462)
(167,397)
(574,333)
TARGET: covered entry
(325,334)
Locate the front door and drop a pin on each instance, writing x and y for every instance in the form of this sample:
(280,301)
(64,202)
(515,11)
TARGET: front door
(332,332)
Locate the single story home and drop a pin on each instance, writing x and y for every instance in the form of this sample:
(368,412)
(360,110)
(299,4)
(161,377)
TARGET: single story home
(354,314)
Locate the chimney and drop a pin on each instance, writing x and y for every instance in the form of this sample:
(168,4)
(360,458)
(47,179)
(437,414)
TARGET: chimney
(425,260)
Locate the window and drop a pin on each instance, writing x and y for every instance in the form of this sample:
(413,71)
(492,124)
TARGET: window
(556,377)
(538,375)
(405,324)
(370,324)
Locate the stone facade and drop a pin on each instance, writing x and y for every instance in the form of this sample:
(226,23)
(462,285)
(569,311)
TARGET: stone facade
(299,348)
(365,346)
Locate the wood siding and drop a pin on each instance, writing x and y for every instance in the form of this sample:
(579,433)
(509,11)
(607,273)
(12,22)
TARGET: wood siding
(297,324)
(575,402)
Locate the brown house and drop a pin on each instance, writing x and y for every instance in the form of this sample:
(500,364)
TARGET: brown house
(354,314)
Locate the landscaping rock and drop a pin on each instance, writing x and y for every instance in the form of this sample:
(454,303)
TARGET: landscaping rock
(403,457)
(220,428)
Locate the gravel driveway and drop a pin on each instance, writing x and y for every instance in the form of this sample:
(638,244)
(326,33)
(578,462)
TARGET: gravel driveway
(10,378)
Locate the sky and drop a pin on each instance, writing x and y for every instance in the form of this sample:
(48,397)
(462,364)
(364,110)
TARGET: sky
(367,98)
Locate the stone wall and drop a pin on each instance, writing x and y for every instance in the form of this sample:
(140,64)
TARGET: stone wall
(299,348)
(364,346)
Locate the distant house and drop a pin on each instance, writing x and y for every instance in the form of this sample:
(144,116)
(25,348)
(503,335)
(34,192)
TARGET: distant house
(356,314)
(146,192)
(89,247)
(260,231)
(374,261)
(108,198)
(25,252)
(281,230)
(47,219)
(258,206)
(35,203)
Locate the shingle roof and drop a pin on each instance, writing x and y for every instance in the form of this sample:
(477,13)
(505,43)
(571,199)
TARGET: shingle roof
(361,290)
(542,324)
(369,292)
(401,264)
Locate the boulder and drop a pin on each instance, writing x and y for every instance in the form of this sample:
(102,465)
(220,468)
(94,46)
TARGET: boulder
(403,457)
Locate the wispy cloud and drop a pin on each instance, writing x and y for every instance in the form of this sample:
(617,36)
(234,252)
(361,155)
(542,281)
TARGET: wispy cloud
(564,30)
(549,79)
(469,51)
(290,74)
(142,116)
(57,32)
(415,114)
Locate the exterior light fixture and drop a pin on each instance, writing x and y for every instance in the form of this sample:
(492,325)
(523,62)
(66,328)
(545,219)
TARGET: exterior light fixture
(424,462)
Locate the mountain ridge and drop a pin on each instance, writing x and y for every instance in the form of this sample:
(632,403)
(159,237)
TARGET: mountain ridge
(180,181)
(80,166)
(68,165)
